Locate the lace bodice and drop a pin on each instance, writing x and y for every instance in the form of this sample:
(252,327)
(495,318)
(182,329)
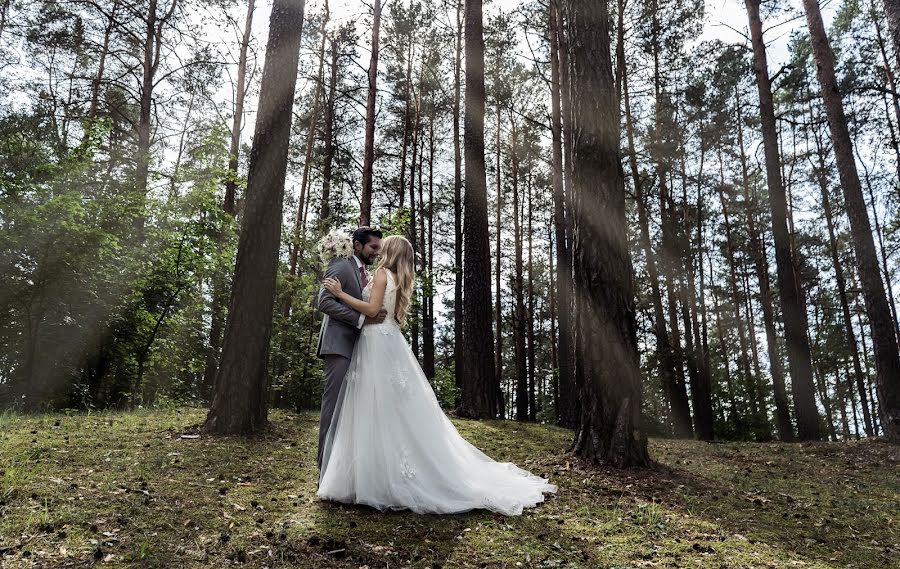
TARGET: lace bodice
(390,295)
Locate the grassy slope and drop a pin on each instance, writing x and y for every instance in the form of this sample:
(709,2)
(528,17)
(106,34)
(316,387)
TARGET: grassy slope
(124,490)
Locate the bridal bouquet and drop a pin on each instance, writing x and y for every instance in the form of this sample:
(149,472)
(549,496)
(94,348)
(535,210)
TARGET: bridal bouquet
(337,243)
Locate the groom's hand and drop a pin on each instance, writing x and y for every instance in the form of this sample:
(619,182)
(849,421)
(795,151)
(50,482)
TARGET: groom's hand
(378,319)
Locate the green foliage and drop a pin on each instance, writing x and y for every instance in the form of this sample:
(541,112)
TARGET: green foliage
(395,222)
(444,385)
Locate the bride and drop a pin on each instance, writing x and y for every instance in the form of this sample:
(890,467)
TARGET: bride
(389,445)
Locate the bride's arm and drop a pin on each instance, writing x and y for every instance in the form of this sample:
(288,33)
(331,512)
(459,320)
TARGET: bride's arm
(376,296)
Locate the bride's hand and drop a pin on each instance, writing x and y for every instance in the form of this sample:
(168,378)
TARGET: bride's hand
(333,286)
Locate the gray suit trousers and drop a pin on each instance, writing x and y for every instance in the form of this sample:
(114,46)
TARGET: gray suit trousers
(335,370)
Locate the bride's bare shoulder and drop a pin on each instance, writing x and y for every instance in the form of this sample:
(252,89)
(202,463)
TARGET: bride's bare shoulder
(381,275)
(384,273)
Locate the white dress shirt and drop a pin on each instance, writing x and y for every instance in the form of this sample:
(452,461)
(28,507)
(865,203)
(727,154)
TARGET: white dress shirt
(359,265)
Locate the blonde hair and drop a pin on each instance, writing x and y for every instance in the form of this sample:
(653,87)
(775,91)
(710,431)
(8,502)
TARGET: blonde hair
(398,257)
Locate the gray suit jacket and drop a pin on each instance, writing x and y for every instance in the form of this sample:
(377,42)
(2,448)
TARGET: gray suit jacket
(339,331)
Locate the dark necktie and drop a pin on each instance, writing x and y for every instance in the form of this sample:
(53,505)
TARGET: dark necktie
(363,277)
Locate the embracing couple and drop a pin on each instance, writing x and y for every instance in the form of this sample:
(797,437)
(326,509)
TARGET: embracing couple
(383,439)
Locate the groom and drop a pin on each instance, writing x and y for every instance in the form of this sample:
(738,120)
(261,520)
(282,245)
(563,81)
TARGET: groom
(341,325)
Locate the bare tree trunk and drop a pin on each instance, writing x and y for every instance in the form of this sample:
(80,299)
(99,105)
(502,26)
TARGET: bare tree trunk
(858,311)
(570,403)
(892,11)
(303,202)
(518,282)
(565,378)
(101,65)
(607,369)
(428,294)
(701,391)
(886,272)
(792,300)
(686,290)
(240,404)
(887,359)
(239,94)
(761,264)
(670,356)
(457,211)
(328,135)
(532,394)
(736,419)
(892,87)
(219,294)
(663,345)
(841,283)
(498,310)
(413,213)
(743,356)
(149,64)
(365,213)
(479,394)
(821,380)
(406,124)
(554,351)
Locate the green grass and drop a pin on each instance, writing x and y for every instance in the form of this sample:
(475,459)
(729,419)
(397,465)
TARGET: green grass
(126,490)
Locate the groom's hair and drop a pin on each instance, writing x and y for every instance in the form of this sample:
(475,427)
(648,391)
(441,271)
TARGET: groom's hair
(364,234)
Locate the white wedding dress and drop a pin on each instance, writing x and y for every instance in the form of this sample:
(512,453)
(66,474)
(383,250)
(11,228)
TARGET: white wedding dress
(390,446)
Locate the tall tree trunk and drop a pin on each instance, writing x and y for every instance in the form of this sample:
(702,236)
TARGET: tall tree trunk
(518,281)
(479,394)
(892,11)
(240,404)
(821,380)
(498,306)
(820,173)
(571,403)
(328,134)
(532,393)
(701,391)
(303,203)
(663,346)
(413,213)
(743,356)
(149,65)
(886,271)
(554,350)
(608,373)
(761,264)
(428,294)
(420,241)
(404,150)
(219,293)
(892,87)
(857,309)
(239,94)
(792,302)
(97,81)
(565,378)
(887,359)
(670,355)
(457,211)
(365,208)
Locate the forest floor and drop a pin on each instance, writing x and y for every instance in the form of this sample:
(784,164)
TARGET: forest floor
(141,490)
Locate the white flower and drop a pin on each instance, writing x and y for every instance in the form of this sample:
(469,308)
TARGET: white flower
(337,243)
